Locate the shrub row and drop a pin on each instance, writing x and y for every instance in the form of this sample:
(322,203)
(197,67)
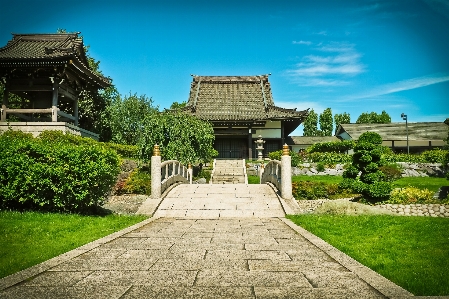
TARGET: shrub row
(328,158)
(297,158)
(54,172)
(430,156)
(331,147)
(124,151)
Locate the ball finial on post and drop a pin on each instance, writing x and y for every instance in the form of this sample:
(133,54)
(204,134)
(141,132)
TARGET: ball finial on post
(156,150)
(285,150)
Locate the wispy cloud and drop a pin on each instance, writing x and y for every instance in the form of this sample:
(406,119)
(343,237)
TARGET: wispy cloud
(302,42)
(401,86)
(341,62)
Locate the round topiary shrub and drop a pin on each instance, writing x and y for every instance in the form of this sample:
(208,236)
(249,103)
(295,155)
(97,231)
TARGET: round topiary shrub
(370,137)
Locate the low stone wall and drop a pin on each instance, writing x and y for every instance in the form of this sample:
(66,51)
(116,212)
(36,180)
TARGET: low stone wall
(431,210)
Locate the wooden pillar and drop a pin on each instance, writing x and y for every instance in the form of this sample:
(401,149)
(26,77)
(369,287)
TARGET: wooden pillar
(4,103)
(75,110)
(250,144)
(54,102)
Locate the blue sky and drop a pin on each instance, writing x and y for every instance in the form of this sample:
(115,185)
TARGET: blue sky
(350,55)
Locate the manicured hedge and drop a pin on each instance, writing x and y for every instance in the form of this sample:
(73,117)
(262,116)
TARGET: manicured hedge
(331,147)
(51,173)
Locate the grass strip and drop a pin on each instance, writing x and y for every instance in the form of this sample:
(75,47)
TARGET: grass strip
(410,251)
(30,238)
(431,183)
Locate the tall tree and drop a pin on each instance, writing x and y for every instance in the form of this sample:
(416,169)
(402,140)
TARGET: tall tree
(311,124)
(125,117)
(342,118)
(180,136)
(374,118)
(326,122)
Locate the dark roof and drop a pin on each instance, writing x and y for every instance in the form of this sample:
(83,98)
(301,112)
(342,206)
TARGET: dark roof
(26,50)
(307,140)
(397,131)
(236,98)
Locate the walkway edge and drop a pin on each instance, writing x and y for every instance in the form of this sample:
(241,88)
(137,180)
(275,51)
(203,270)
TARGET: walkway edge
(32,271)
(374,279)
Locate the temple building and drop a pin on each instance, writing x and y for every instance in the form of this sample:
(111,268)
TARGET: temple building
(50,73)
(241,108)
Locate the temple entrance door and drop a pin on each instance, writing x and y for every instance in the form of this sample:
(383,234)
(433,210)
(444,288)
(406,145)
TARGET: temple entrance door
(231,148)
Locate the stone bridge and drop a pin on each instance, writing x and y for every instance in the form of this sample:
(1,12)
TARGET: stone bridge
(227,195)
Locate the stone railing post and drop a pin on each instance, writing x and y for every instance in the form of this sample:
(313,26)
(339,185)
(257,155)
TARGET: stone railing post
(156,173)
(286,173)
(190,171)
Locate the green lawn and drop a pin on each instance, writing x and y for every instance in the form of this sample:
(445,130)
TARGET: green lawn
(330,179)
(433,184)
(30,238)
(410,251)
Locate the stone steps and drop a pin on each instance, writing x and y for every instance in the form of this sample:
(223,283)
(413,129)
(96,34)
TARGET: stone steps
(228,172)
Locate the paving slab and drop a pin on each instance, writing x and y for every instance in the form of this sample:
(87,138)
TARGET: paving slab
(203,258)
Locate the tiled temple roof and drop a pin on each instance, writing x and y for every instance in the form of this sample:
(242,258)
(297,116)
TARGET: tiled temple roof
(236,98)
(30,50)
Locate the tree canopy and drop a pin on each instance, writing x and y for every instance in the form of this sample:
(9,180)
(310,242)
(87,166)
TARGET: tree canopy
(374,118)
(326,122)
(311,124)
(342,118)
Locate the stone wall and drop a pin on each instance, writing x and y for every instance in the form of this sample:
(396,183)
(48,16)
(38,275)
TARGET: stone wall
(432,210)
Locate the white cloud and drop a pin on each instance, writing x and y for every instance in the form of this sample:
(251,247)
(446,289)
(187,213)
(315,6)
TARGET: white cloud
(401,86)
(327,70)
(302,42)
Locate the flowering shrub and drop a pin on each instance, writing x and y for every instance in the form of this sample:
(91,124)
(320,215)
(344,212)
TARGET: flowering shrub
(410,195)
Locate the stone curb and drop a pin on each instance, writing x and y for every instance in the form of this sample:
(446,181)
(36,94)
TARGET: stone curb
(377,281)
(290,206)
(27,273)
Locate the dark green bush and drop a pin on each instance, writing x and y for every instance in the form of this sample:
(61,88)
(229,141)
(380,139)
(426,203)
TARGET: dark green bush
(392,172)
(320,167)
(203,174)
(351,172)
(139,182)
(296,158)
(380,191)
(54,176)
(370,137)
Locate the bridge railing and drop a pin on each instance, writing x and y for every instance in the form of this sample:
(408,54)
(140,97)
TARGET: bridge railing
(279,173)
(167,173)
(172,172)
(272,173)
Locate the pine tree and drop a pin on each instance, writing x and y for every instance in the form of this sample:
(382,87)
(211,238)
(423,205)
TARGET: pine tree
(311,124)
(326,122)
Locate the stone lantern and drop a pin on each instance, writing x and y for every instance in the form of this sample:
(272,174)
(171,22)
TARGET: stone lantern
(259,147)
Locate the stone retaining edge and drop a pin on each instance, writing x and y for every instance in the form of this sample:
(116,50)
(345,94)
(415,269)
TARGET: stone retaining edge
(32,271)
(374,279)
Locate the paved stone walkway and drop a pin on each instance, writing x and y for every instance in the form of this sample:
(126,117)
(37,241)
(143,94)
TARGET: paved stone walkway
(258,255)
(213,201)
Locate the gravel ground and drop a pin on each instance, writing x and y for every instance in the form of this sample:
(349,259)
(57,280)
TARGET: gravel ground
(127,204)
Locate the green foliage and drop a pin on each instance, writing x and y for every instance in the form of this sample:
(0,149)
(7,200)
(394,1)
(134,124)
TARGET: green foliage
(328,158)
(326,122)
(311,124)
(372,183)
(126,116)
(139,182)
(430,156)
(296,158)
(56,174)
(308,190)
(180,136)
(49,235)
(320,167)
(331,147)
(411,195)
(391,172)
(374,118)
(343,118)
(123,150)
(178,106)
(370,137)
(204,174)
